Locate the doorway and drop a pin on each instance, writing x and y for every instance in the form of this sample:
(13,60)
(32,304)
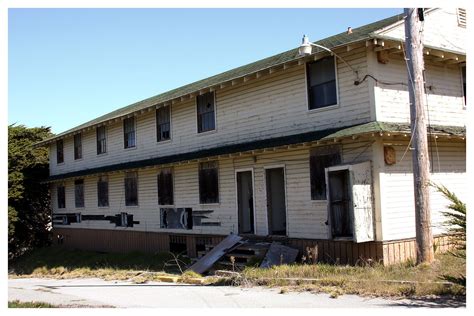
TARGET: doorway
(340,204)
(245,203)
(276,203)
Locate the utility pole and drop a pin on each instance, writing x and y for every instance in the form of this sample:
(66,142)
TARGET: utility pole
(421,163)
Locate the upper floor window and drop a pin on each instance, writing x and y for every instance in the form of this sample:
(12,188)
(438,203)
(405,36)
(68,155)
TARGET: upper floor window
(79,193)
(461,14)
(165,187)
(163,123)
(78,146)
(321,158)
(101,140)
(59,151)
(208,182)
(131,189)
(206,119)
(129,132)
(61,191)
(103,191)
(322,87)
(463,74)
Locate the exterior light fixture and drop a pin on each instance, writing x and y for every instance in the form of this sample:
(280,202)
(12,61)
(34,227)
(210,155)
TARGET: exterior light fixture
(306,49)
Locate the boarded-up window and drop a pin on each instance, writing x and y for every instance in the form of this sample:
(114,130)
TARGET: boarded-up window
(165,187)
(129,132)
(321,158)
(79,193)
(163,123)
(322,89)
(61,191)
(103,191)
(59,151)
(208,182)
(205,112)
(101,140)
(78,146)
(131,189)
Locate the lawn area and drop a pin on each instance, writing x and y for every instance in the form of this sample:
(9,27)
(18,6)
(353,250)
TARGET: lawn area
(61,263)
(396,280)
(18,304)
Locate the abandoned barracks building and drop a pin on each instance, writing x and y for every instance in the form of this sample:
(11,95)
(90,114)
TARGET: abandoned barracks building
(307,149)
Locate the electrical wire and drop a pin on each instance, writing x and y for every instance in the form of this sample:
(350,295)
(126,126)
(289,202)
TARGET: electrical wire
(386,83)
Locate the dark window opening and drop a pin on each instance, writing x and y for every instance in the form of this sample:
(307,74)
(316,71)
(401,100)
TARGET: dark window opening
(131,189)
(165,187)
(163,123)
(78,146)
(463,72)
(176,218)
(129,132)
(124,220)
(60,151)
(79,193)
(208,182)
(321,158)
(205,112)
(61,196)
(322,88)
(103,192)
(101,140)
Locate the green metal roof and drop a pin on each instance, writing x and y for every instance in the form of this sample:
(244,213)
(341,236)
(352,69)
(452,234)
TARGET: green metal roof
(322,135)
(358,34)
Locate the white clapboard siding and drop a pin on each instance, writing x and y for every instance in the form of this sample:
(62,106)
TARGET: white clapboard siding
(440,29)
(272,106)
(445,100)
(396,188)
(306,218)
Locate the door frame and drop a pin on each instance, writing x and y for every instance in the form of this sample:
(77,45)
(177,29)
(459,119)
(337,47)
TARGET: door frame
(237,198)
(265,168)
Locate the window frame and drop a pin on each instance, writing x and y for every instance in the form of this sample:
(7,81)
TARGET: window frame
(102,179)
(104,139)
(463,84)
(60,141)
(63,187)
(197,114)
(331,150)
(134,133)
(201,202)
(157,124)
(77,146)
(127,203)
(76,197)
(171,171)
(307,83)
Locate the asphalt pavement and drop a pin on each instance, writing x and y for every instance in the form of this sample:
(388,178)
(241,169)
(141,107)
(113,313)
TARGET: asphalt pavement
(122,294)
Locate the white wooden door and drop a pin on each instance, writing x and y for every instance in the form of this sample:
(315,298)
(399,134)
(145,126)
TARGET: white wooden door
(362,201)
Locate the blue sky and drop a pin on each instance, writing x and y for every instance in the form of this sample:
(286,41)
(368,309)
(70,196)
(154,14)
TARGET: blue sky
(68,66)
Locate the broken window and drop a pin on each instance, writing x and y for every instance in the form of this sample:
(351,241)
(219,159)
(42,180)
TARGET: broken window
(322,89)
(103,191)
(321,158)
(165,187)
(79,193)
(163,123)
(66,219)
(124,220)
(101,140)
(131,189)
(78,146)
(208,182)
(176,218)
(61,190)
(129,132)
(59,151)
(205,112)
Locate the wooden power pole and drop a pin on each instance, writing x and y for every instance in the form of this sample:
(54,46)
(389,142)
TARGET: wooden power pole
(421,163)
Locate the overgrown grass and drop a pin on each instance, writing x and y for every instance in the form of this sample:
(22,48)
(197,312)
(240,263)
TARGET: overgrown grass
(61,263)
(396,280)
(18,304)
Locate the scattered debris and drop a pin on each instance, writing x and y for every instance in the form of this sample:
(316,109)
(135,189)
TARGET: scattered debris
(278,254)
(206,262)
